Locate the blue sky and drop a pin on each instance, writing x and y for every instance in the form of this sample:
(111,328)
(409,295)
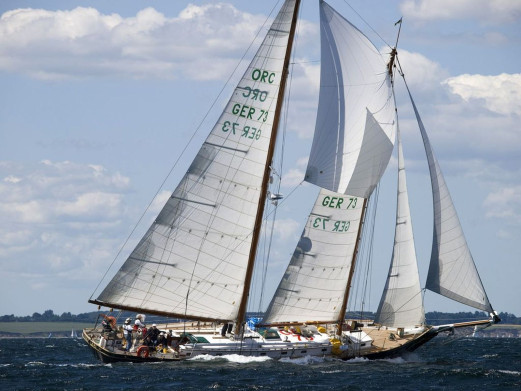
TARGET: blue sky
(99,99)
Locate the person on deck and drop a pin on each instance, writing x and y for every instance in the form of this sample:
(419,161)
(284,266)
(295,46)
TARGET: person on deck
(139,326)
(153,333)
(139,322)
(127,332)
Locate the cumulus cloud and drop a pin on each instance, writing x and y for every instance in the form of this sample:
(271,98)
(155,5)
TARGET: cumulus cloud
(295,175)
(286,229)
(303,89)
(500,94)
(504,203)
(486,11)
(59,217)
(83,42)
(421,73)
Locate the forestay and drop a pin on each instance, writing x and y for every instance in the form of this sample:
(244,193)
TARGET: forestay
(313,286)
(356,119)
(452,272)
(401,304)
(192,261)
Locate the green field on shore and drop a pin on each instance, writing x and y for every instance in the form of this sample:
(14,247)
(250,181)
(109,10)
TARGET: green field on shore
(41,327)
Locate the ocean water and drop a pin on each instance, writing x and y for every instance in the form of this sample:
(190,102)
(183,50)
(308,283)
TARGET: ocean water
(442,364)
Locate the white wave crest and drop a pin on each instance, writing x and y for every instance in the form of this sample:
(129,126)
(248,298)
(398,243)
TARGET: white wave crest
(307,360)
(35,363)
(515,373)
(236,358)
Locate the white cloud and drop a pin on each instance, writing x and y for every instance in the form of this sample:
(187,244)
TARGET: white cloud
(487,11)
(294,176)
(500,94)
(286,229)
(60,217)
(505,203)
(421,73)
(12,179)
(82,42)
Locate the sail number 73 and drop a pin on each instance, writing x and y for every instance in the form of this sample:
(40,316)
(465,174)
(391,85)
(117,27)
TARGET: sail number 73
(246,131)
(326,224)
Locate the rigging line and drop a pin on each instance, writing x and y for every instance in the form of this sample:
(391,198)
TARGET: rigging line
(282,149)
(369,265)
(362,257)
(367,23)
(176,162)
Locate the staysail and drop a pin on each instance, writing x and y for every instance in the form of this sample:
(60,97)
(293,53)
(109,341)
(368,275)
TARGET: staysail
(401,304)
(192,261)
(314,283)
(452,272)
(356,118)
(353,142)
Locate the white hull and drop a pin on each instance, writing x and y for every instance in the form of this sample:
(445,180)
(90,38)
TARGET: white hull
(109,347)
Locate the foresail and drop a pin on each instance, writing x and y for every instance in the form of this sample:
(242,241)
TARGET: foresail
(192,261)
(313,286)
(401,304)
(452,272)
(356,119)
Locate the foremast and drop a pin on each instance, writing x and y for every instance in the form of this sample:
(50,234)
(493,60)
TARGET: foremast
(265,181)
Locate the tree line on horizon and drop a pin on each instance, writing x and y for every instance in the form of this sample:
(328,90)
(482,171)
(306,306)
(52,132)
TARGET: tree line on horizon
(434,317)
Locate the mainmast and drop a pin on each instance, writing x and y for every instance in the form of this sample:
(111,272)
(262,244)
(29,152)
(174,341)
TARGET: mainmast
(342,314)
(265,181)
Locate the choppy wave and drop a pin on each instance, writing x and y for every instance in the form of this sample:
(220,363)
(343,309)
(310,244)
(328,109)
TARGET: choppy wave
(30,365)
(65,365)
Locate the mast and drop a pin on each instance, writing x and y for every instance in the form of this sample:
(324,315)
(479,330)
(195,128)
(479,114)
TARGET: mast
(342,314)
(265,181)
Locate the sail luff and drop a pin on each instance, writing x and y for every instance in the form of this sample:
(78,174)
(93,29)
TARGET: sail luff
(452,271)
(267,169)
(401,303)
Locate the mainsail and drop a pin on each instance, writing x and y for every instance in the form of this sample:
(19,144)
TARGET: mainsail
(192,261)
(452,272)
(401,304)
(353,142)
(356,118)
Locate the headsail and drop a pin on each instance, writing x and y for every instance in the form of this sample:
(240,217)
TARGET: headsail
(401,304)
(452,272)
(192,261)
(355,94)
(353,142)
(313,286)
